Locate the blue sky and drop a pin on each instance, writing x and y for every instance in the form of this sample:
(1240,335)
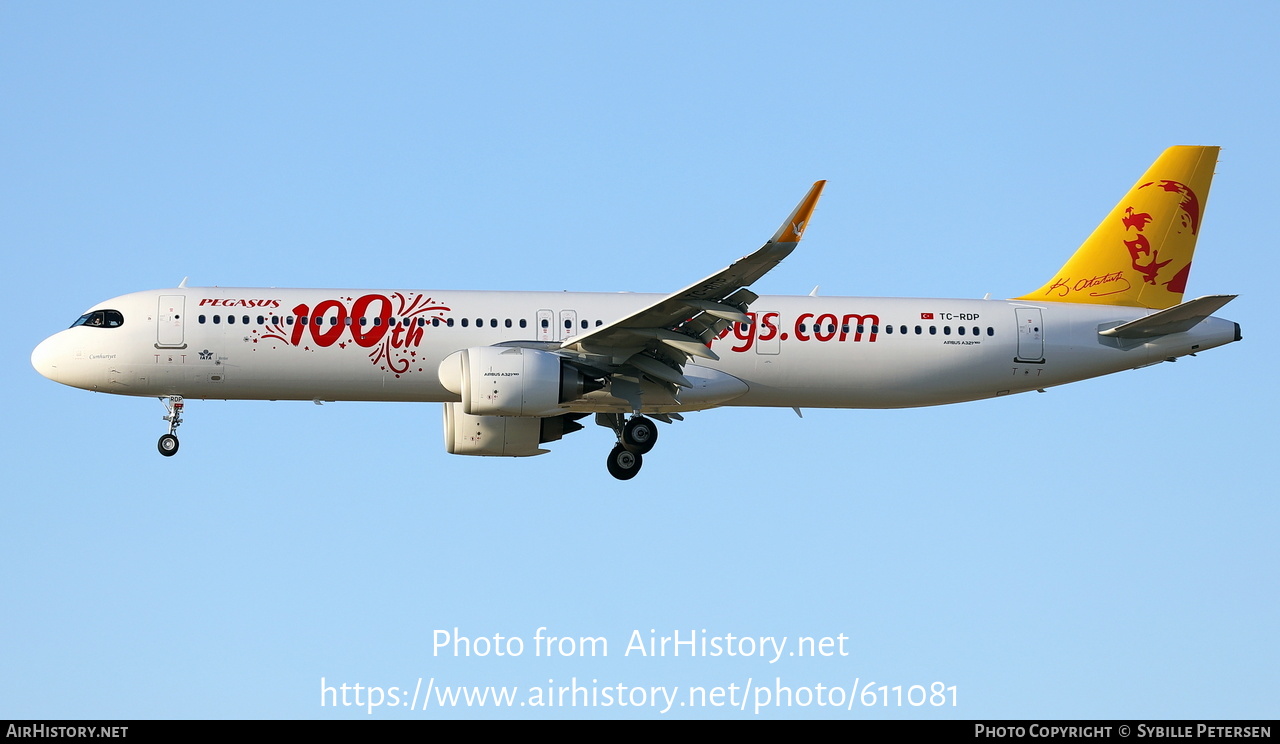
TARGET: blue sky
(1106,549)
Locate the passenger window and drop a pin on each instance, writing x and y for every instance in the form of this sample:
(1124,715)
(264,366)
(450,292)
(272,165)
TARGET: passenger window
(523,323)
(200,320)
(217,319)
(466,322)
(493,322)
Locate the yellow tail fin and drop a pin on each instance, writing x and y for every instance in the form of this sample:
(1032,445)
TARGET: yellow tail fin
(1140,255)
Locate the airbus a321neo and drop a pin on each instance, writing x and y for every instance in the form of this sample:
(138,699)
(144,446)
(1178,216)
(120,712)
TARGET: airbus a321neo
(516,370)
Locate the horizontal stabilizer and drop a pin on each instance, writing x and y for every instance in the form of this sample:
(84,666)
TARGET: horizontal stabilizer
(1176,319)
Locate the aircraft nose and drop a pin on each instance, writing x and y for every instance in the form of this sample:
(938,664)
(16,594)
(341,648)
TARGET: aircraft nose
(45,358)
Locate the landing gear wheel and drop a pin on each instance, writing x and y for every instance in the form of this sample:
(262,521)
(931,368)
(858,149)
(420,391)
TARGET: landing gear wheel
(623,463)
(168,445)
(639,435)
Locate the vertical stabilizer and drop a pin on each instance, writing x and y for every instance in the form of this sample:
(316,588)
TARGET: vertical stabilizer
(1140,256)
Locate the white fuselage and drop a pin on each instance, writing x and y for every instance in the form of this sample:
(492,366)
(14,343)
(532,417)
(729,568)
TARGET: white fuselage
(387,345)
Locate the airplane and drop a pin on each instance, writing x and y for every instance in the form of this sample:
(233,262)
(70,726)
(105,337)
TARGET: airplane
(517,370)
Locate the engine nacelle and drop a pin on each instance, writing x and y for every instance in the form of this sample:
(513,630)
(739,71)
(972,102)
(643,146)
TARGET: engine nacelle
(501,436)
(513,381)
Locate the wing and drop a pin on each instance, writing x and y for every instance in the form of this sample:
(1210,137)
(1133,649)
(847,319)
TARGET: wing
(656,341)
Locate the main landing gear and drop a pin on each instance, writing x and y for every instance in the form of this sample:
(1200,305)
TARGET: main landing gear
(168,444)
(623,463)
(636,436)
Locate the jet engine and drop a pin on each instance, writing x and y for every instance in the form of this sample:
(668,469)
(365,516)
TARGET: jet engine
(513,381)
(502,436)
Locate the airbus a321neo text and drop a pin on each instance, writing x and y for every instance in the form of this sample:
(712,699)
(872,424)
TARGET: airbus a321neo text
(516,370)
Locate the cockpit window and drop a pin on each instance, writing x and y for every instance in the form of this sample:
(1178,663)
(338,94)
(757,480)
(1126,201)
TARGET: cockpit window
(100,319)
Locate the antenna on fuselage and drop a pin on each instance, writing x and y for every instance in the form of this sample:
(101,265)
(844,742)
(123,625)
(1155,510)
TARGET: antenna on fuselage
(183,284)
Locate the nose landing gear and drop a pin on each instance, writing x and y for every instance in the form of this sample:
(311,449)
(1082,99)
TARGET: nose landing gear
(168,444)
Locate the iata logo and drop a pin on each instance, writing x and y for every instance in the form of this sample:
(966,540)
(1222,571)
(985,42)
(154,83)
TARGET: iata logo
(390,327)
(1145,260)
